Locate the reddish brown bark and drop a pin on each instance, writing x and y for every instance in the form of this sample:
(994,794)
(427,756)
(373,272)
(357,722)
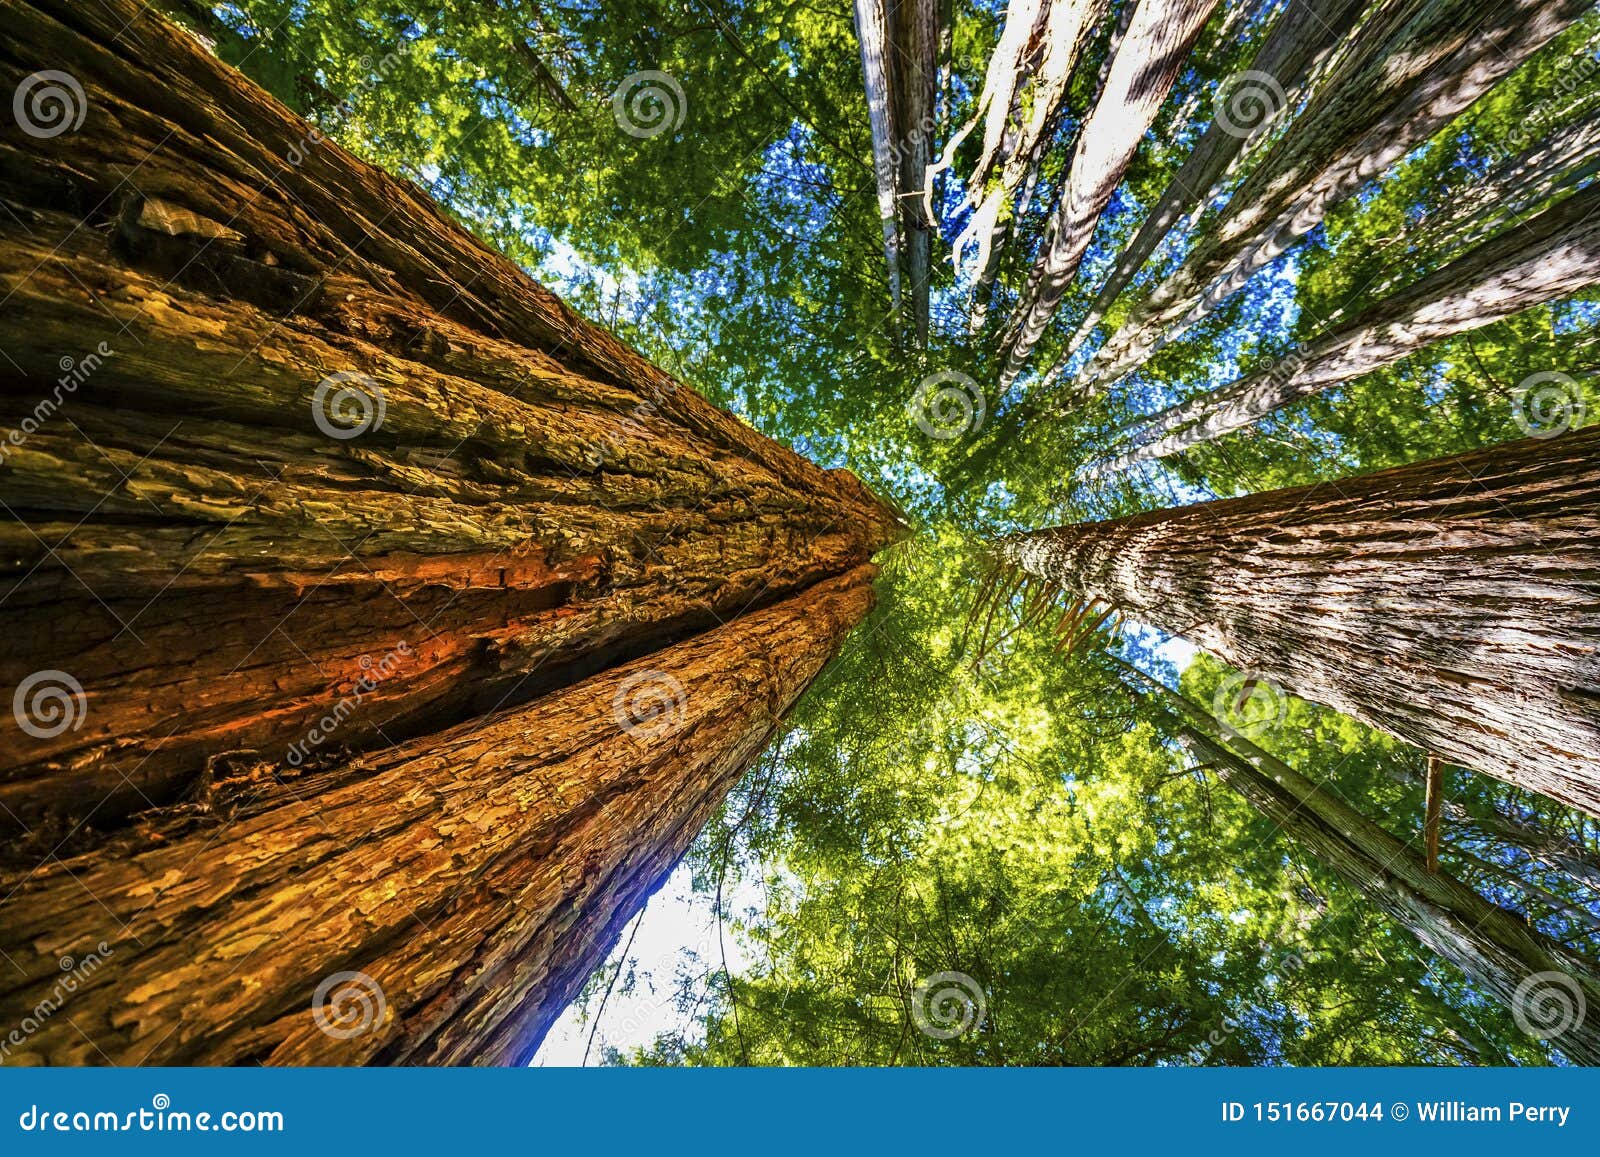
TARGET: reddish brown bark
(476,876)
(537,502)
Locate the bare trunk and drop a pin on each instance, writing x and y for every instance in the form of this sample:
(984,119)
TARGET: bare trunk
(1300,40)
(1040,46)
(475,877)
(872,33)
(1546,259)
(1494,948)
(1147,62)
(1417,63)
(1452,603)
(915,31)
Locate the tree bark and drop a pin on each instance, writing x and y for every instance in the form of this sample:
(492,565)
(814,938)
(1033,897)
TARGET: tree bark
(398,629)
(1451,603)
(1299,42)
(475,877)
(1147,62)
(1415,65)
(1550,257)
(872,34)
(217,571)
(1039,46)
(915,31)
(1491,945)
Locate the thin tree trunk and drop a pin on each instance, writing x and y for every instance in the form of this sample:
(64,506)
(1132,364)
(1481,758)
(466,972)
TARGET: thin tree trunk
(872,33)
(475,877)
(915,31)
(1548,258)
(1041,46)
(1416,64)
(1496,950)
(1301,38)
(1147,62)
(1451,603)
(213,570)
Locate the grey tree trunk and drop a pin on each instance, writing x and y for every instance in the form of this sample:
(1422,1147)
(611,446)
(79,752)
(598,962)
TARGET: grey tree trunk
(1416,64)
(872,33)
(1039,45)
(1451,603)
(1545,259)
(1300,41)
(1494,948)
(914,26)
(1147,62)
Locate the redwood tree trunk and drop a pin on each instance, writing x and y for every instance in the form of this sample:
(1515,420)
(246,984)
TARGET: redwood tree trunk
(475,877)
(1548,258)
(1416,64)
(1147,62)
(296,469)
(211,565)
(1452,603)
(1301,37)
(1491,945)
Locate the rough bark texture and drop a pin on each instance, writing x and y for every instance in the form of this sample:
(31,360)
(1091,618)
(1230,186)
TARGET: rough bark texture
(1545,259)
(1415,65)
(477,876)
(537,503)
(1490,944)
(1452,603)
(1147,62)
(357,566)
(1300,39)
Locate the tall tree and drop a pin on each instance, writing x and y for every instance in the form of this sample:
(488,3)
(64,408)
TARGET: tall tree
(471,879)
(1148,60)
(295,467)
(1024,86)
(1446,602)
(916,71)
(310,412)
(1489,944)
(1545,259)
(1247,107)
(1414,65)
(872,34)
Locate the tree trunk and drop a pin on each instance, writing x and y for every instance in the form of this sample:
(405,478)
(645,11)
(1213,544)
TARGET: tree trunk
(1042,48)
(872,33)
(475,877)
(1300,40)
(1492,946)
(915,25)
(210,541)
(1147,62)
(1452,603)
(1546,259)
(297,469)
(1416,64)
